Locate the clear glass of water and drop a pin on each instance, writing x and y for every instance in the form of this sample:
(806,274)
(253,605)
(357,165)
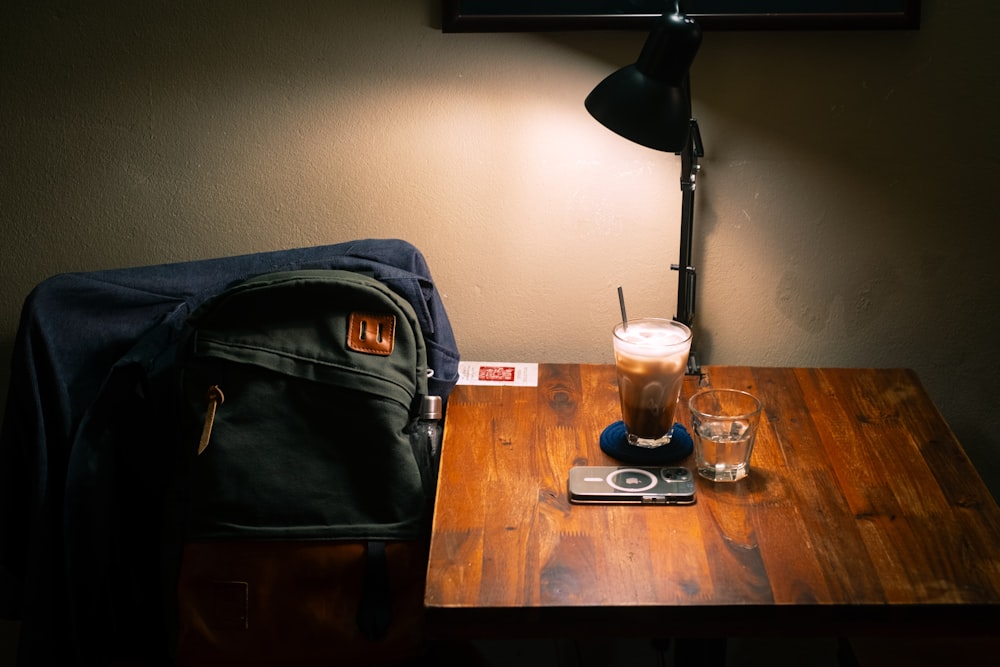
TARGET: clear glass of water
(724,425)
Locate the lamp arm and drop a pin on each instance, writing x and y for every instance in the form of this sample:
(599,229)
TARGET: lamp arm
(686,278)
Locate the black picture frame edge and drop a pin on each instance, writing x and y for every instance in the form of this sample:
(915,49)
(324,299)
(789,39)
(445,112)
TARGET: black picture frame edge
(454,20)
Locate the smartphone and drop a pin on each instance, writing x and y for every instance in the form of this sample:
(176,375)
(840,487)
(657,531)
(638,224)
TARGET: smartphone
(645,485)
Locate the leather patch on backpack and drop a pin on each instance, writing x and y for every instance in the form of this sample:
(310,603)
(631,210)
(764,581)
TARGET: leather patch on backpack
(371,334)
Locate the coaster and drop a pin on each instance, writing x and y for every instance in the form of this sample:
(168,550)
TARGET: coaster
(614,443)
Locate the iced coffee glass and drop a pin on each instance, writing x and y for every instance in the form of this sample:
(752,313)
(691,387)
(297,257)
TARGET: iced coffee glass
(651,360)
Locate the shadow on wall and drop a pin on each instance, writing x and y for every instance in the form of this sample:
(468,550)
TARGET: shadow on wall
(174,105)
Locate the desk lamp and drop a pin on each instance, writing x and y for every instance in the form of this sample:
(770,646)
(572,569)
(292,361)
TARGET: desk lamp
(649,102)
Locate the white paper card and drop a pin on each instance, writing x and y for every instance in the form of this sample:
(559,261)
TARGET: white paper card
(498,373)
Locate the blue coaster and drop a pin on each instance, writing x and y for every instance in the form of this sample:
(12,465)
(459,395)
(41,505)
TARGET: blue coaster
(614,443)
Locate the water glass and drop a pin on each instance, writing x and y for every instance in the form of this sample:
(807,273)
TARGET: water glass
(724,424)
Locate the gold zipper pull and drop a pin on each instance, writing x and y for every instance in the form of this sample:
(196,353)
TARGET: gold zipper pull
(215,398)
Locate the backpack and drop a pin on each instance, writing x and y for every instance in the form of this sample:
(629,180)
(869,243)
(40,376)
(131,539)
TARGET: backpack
(301,506)
(91,473)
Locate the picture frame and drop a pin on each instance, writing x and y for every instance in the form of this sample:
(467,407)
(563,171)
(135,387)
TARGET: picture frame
(558,15)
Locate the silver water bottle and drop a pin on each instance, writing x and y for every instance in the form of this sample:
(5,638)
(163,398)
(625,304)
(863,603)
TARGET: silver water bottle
(430,431)
(430,424)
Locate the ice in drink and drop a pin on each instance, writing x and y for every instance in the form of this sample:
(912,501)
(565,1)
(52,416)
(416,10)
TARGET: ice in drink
(724,450)
(651,360)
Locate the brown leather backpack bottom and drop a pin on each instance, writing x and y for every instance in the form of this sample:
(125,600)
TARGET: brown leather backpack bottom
(294,603)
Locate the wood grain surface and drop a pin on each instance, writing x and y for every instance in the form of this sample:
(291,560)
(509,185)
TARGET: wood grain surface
(861,513)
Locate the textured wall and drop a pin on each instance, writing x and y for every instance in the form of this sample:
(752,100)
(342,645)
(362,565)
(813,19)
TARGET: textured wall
(846,208)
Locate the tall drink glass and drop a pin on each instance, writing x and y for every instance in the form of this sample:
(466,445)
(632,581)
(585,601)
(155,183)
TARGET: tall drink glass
(651,359)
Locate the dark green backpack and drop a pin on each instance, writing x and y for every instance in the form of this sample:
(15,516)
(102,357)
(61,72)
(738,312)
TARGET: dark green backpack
(304,497)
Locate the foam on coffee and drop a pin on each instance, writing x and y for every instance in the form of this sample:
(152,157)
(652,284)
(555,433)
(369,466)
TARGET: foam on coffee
(646,339)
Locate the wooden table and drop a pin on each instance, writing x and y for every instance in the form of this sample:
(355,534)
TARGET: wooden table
(861,514)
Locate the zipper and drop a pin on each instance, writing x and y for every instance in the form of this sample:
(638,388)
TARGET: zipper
(214,399)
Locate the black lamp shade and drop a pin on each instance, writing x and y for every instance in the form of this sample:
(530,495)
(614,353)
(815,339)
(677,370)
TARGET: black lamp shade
(649,102)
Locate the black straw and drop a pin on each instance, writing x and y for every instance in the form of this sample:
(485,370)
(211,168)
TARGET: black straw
(621,302)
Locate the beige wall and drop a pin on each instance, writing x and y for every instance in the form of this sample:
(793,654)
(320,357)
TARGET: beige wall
(846,209)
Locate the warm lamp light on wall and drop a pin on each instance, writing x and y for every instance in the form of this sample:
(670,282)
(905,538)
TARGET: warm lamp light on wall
(649,102)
